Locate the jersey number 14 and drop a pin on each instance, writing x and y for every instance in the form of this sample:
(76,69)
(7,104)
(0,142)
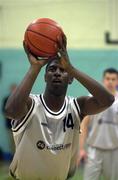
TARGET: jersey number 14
(68,122)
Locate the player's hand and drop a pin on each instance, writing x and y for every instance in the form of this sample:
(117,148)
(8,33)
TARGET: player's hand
(34,60)
(82,156)
(62,52)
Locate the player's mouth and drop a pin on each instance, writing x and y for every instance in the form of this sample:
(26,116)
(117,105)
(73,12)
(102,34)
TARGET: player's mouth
(57,81)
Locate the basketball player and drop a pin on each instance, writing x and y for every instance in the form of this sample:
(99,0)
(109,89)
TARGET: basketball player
(46,126)
(102,139)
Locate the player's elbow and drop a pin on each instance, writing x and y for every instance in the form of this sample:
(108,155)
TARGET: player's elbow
(13,111)
(8,111)
(109,101)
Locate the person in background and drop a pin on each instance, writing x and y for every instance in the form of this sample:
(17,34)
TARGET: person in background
(100,131)
(7,121)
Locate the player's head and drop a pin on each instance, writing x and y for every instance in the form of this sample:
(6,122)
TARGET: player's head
(110,79)
(57,79)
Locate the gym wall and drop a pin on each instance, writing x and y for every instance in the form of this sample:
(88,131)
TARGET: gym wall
(84,21)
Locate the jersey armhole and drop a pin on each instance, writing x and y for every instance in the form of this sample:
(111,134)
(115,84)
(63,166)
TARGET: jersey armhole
(78,109)
(78,112)
(77,106)
(24,121)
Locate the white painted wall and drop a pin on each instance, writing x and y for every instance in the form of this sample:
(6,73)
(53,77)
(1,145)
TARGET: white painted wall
(84,21)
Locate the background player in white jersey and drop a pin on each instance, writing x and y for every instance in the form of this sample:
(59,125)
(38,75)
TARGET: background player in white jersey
(46,127)
(101,133)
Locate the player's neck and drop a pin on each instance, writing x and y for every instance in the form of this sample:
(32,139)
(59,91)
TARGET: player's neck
(53,102)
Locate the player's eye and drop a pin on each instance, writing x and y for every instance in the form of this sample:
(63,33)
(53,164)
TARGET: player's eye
(114,79)
(62,70)
(107,79)
(52,69)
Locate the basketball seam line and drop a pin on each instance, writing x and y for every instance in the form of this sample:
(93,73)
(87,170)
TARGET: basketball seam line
(41,35)
(46,23)
(38,48)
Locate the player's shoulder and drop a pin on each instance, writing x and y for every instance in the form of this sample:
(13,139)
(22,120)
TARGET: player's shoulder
(36,98)
(72,101)
(20,124)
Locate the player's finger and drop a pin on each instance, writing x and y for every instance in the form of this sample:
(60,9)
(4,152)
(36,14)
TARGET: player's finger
(43,62)
(41,58)
(59,54)
(64,40)
(59,41)
(59,51)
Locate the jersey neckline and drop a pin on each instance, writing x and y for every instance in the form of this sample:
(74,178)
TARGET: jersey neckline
(49,110)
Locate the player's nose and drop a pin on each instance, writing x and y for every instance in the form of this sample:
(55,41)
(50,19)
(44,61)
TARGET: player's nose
(57,72)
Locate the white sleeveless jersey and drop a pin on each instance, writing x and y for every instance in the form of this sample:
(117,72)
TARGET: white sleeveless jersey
(104,128)
(46,141)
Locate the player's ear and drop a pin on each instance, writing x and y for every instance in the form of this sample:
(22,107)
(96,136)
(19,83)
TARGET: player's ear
(70,80)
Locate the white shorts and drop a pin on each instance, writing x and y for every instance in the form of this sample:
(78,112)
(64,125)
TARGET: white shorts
(101,162)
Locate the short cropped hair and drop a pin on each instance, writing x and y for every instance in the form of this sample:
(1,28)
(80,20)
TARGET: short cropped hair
(55,58)
(111,71)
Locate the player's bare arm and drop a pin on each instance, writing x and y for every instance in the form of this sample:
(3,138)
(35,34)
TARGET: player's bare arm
(101,98)
(82,140)
(19,102)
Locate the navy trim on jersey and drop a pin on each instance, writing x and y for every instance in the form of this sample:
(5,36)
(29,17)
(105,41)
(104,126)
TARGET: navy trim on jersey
(78,109)
(76,105)
(25,119)
(53,113)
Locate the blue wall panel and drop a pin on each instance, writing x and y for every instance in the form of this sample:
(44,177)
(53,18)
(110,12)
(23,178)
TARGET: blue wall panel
(15,64)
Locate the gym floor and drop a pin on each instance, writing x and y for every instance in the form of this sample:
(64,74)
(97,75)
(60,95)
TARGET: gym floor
(5,166)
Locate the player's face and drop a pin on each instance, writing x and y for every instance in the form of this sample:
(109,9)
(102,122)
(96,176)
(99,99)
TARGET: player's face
(57,78)
(110,81)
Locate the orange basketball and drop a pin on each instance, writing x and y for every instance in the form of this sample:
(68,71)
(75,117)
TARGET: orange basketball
(41,37)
